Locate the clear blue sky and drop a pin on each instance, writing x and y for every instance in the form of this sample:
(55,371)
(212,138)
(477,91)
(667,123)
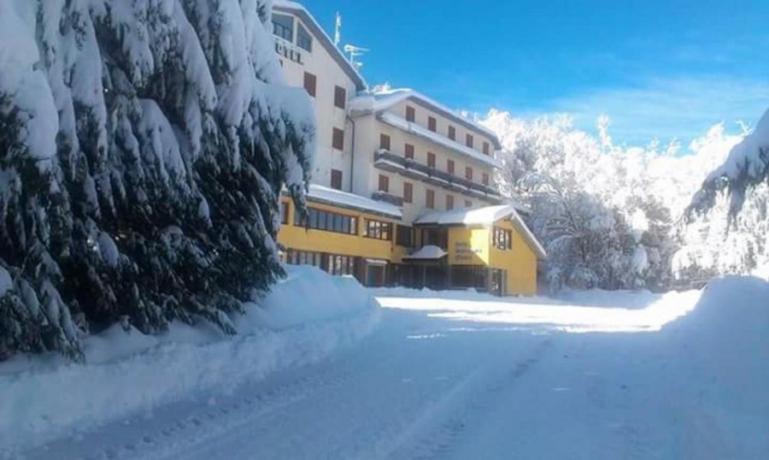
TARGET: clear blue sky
(657,68)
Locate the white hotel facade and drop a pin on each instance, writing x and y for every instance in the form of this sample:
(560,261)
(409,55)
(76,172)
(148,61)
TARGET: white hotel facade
(398,155)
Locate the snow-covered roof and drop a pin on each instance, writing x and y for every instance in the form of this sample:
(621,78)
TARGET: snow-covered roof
(298,9)
(375,102)
(403,124)
(467,216)
(484,216)
(428,253)
(349,200)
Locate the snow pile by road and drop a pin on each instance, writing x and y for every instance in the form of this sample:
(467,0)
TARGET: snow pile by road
(304,319)
(728,334)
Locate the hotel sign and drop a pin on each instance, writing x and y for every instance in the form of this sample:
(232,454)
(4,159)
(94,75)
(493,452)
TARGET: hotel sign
(464,252)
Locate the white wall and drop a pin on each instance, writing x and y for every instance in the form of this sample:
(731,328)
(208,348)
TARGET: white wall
(367,175)
(328,74)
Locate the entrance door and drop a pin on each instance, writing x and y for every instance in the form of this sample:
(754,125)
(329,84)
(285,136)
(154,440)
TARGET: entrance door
(498,278)
(375,276)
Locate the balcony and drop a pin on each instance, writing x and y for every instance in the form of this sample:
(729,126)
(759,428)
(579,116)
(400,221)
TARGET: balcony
(388,161)
(417,130)
(387,198)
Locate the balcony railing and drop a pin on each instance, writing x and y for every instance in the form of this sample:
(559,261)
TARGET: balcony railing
(388,198)
(384,159)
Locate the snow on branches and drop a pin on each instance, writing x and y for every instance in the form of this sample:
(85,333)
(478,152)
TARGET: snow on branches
(143,146)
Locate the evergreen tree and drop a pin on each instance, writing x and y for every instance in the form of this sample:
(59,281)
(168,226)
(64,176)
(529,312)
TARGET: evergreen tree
(746,168)
(174,135)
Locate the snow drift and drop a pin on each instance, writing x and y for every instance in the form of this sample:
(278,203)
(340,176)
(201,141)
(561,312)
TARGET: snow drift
(306,317)
(727,332)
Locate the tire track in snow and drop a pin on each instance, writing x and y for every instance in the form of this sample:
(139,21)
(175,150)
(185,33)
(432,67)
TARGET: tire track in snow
(165,434)
(433,434)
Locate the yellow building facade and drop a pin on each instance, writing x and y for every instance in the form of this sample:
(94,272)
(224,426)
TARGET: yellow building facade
(488,249)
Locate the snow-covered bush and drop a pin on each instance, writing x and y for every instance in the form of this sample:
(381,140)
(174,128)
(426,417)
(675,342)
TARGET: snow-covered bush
(143,145)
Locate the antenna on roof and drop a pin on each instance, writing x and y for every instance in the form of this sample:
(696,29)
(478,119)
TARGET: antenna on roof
(355,52)
(338,29)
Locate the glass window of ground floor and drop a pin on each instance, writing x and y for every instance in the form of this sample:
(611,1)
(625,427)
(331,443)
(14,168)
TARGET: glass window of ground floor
(370,272)
(441,276)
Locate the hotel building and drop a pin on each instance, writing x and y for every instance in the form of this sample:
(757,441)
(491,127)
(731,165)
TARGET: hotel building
(402,187)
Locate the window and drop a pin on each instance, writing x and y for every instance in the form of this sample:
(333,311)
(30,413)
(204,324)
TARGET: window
(378,230)
(449,202)
(310,83)
(404,236)
(304,258)
(334,264)
(339,265)
(430,199)
(338,139)
(409,151)
(452,133)
(318,219)
(469,173)
(450,166)
(411,114)
(485,179)
(340,97)
(432,124)
(469,141)
(336,179)
(468,204)
(384,142)
(435,237)
(384,184)
(430,159)
(304,39)
(503,239)
(283,26)
(486,148)
(466,277)
(408,192)
(284,212)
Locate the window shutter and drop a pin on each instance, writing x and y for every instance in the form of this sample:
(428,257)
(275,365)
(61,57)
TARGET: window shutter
(338,139)
(340,97)
(336,179)
(310,83)
(408,192)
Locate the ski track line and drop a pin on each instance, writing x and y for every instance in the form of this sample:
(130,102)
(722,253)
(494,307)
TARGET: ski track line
(227,424)
(440,425)
(200,423)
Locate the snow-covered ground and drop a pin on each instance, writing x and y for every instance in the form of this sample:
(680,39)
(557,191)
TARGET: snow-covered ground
(130,373)
(444,375)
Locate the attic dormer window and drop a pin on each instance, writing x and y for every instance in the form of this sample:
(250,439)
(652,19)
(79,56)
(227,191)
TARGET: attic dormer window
(304,39)
(283,26)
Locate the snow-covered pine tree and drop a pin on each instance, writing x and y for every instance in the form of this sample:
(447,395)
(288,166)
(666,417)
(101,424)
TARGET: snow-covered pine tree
(170,136)
(746,168)
(728,218)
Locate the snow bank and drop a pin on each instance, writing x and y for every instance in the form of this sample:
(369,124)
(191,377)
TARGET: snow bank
(305,318)
(727,330)
(724,347)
